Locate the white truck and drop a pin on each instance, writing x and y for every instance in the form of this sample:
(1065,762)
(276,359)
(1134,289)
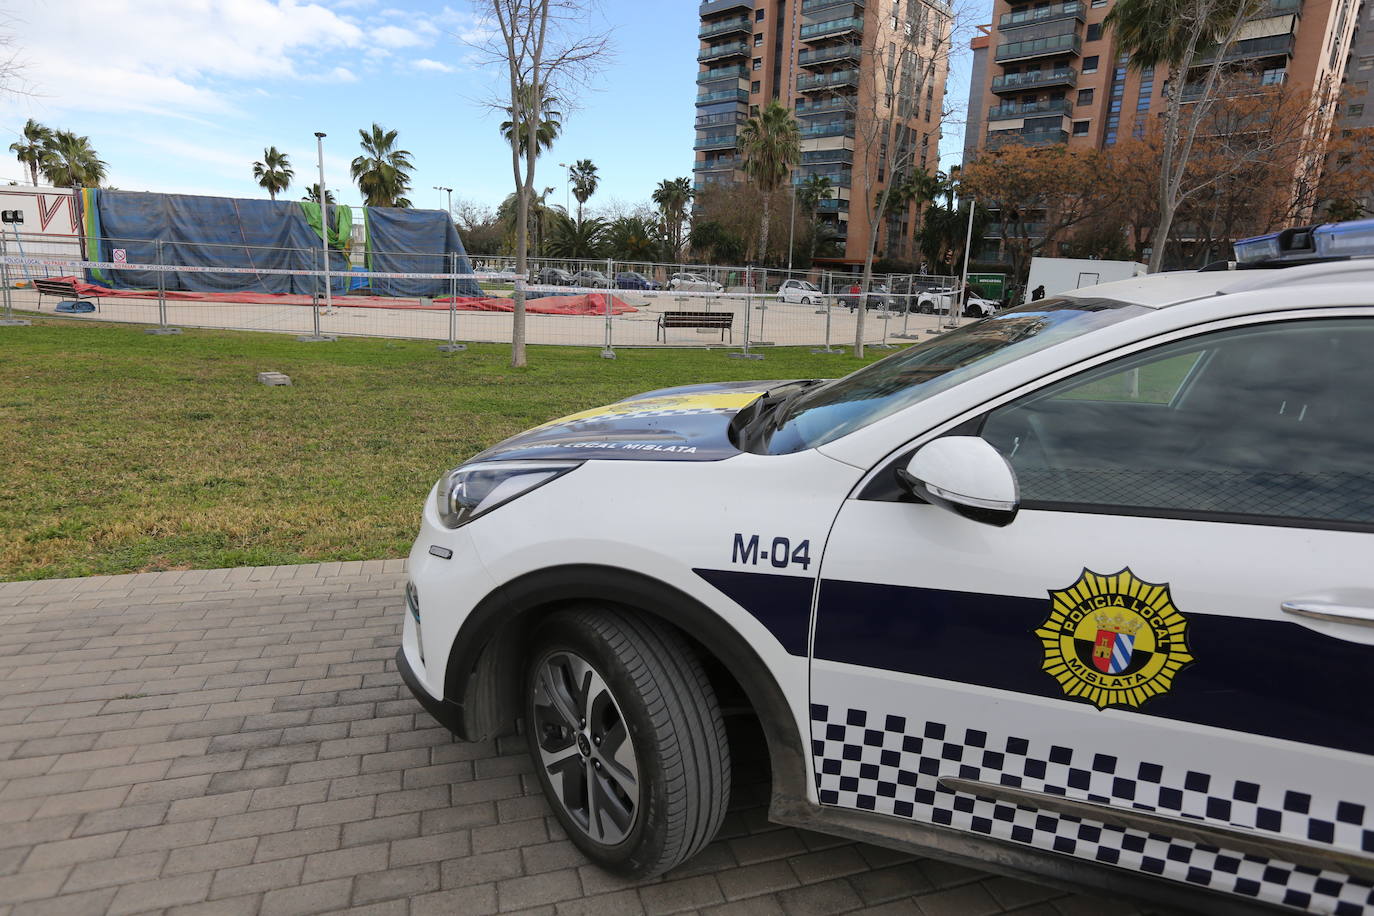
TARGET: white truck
(1062,275)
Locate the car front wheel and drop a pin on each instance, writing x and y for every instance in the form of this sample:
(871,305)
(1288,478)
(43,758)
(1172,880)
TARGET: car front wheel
(627,739)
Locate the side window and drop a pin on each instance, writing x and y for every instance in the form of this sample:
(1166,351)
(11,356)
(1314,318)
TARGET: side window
(1275,422)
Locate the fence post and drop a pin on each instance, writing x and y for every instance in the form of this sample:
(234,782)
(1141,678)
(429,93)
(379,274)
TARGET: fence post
(316,336)
(763,311)
(161,298)
(8,321)
(608,352)
(453,346)
(748,307)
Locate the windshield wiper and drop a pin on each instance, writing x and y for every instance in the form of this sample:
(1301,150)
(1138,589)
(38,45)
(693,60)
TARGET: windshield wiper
(770,414)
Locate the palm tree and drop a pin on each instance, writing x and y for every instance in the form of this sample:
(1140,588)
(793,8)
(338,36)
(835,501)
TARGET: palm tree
(274,172)
(312,193)
(70,162)
(34,141)
(568,238)
(634,238)
(771,143)
(546,130)
(672,197)
(813,190)
(584,182)
(538,215)
(383,171)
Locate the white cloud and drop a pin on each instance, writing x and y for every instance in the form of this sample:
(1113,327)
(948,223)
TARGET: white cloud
(435,66)
(174,57)
(393,36)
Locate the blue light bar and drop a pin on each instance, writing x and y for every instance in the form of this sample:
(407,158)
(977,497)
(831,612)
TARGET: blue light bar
(1353,239)
(1259,248)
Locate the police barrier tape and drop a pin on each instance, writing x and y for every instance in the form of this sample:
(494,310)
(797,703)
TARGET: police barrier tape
(505,277)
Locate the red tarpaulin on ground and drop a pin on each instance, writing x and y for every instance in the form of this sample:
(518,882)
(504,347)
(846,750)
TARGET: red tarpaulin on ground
(584,304)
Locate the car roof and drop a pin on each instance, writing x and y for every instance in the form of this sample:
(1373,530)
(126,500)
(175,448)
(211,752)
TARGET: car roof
(1174,287)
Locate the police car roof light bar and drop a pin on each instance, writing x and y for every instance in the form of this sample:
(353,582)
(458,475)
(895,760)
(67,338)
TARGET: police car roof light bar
(1304,244)
(1349,239)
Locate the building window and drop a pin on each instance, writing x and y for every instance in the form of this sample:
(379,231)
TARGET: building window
(1085,97)
(1095,31)
(1273,76)
(753,111)
(1366,63)
(1355,111)
(1090,64)
(758,15)
(758,40)
(758,63)
(755,86)
(1080,128)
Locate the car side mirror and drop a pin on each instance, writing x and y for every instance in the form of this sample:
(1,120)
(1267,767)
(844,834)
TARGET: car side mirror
(964,474)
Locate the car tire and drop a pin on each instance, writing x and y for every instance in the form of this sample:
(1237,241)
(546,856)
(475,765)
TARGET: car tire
(925,308)
(659,795)
(806,300)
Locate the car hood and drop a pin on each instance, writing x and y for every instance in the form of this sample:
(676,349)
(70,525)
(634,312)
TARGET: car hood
(689,423)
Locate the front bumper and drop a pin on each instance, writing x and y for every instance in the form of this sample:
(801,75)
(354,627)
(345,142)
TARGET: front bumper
(446,712)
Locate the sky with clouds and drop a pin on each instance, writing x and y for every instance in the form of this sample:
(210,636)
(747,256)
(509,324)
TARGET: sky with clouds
(181,96)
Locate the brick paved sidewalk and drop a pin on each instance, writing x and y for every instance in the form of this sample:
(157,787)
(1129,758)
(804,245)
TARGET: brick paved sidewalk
(237,741)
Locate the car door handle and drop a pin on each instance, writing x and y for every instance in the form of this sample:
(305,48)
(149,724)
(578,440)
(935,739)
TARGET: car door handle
(1325,610)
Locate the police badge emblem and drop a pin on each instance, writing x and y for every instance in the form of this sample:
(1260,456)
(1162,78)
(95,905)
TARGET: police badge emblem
(1114,640)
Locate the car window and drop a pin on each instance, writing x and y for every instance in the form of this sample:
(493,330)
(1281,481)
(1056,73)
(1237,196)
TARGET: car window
(826,412)
(1264,423)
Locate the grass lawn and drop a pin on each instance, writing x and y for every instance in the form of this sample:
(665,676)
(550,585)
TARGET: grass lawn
(125,452)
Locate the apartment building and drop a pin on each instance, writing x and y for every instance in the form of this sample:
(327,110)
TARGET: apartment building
(1056,75)
(818,57)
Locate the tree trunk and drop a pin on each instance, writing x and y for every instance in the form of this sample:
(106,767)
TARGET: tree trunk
(33,171)
(763,233)
(522,244)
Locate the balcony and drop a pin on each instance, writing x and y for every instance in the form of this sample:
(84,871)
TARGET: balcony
(832,28)
(1014,20)
(725,95)
(716,141)
(716,7)
(719,164)
(1269,46)
(819,56)
(840,80)
(1032,230)
(1040,136)
(723,73)
(720,52)
(815,6)
(716,120)
(817,107)
(1035,79)
(837,179)
(816,156)
(1071,43)
(832,205)
(829,129)
(1279,8)
(726,27)
(1029,110)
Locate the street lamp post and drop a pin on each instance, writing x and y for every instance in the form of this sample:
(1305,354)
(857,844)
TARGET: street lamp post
(791,222)
(567,189)
(439,187)
(324,225)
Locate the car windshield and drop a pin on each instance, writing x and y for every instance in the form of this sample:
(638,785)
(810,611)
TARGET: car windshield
(826,412)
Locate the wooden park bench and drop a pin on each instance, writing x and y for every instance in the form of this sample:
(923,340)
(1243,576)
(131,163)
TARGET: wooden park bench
(723,321)
(62,289)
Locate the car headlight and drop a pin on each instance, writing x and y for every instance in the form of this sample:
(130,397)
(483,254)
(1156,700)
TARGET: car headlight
(470,491)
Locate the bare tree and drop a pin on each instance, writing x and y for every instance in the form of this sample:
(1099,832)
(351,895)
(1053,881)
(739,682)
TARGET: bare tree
(901,69)
(549,51)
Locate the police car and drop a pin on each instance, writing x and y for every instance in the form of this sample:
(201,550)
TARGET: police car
(1120,632)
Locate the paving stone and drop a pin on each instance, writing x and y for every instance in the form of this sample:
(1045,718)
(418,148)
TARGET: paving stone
(210,856)
(70,852)
(820,899)
(110,872)
(538,890)
(466,871)
(753,880)
(151,895)
(262,876)
(305,899)
(297,843)
(167,836)
(469,901)
(356,860)
(396,882)
(968,900)
(434,848)
(396,827)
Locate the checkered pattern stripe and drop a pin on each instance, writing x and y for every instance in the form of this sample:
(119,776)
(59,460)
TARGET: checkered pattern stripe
(889,764)
(664,412)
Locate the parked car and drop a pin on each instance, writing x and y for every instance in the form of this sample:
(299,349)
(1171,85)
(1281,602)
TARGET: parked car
(800,291)
(693,283)
(939,302)
(592,278)
(633,279)
(553,276)
(1125,642)
(878,298)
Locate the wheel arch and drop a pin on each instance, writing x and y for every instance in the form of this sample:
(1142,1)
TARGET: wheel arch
(483,675)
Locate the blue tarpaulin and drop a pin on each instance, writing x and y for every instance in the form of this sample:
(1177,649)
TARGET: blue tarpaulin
(264,234)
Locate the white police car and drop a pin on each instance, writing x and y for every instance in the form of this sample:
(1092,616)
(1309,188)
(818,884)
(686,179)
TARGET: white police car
(1120,632)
